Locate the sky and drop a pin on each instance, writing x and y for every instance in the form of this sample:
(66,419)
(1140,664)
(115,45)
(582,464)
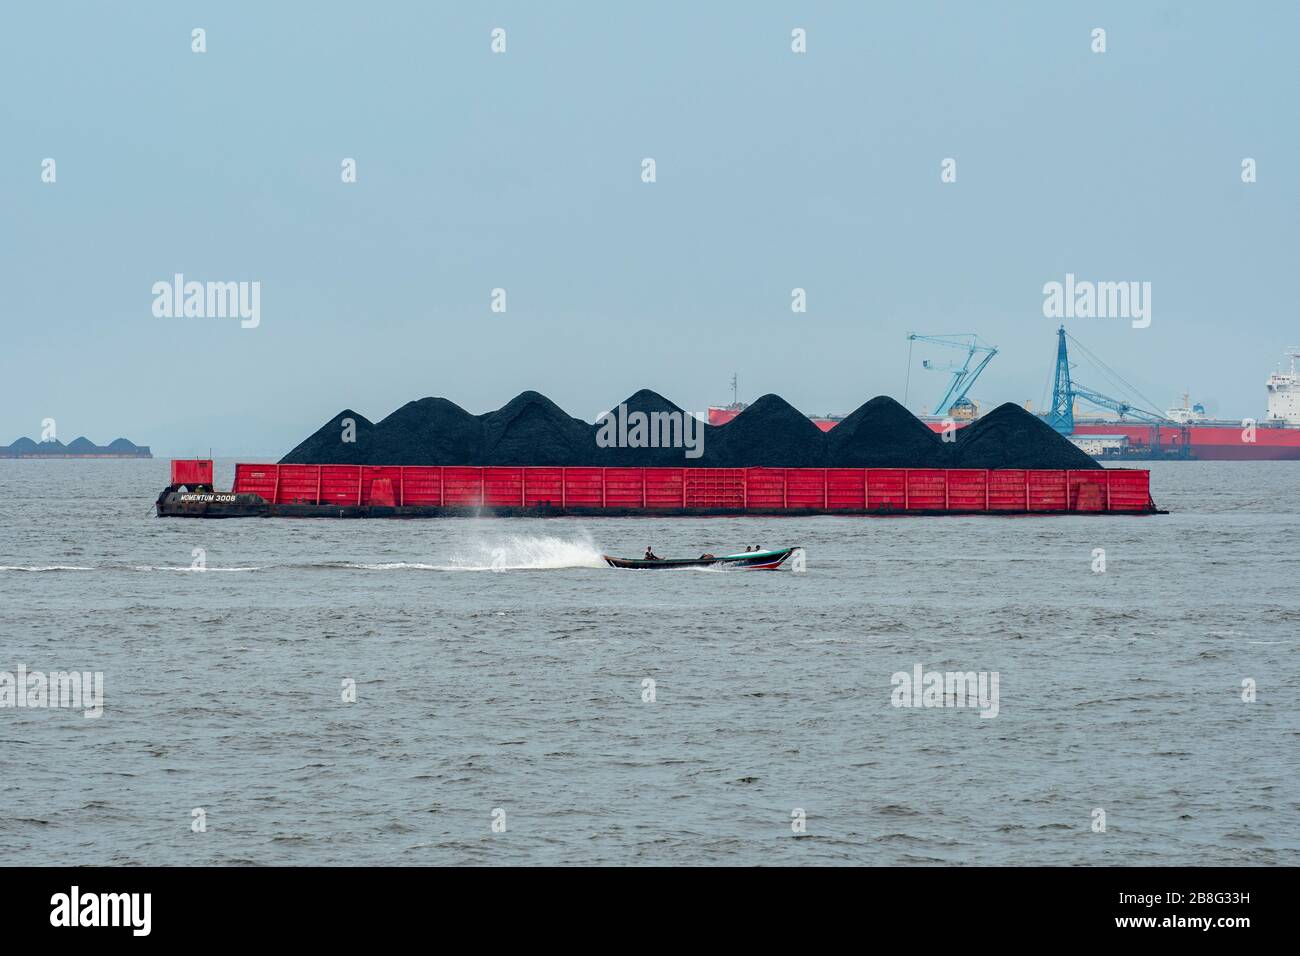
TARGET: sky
(523,170)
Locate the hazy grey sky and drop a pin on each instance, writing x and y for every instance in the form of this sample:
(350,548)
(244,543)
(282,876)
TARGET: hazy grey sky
(522,170)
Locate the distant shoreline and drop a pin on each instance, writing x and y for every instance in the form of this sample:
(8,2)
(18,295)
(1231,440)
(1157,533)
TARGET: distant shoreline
(14,457)
(77,448)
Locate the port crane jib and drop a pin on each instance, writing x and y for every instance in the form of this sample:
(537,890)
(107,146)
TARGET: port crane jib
(963,375)
(1065,390)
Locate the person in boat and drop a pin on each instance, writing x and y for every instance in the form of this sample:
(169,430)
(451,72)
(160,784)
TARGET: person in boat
(706,556)
(650,554)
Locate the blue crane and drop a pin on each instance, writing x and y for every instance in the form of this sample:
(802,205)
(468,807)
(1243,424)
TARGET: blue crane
(1065,391)
(963,376)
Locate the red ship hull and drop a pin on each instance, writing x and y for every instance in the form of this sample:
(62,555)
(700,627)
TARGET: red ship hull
(720,416)
(1221,441)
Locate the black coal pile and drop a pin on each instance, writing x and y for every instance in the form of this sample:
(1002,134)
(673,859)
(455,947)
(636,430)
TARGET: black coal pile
(771,433)
(531,429)
(883,434)
(659,419)
(1011,437)
(326,445)
(430,431)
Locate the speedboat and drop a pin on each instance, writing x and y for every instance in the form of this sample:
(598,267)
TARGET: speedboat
(745,561)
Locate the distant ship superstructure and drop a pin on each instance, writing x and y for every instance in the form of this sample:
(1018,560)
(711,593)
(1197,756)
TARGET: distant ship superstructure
(1284,393)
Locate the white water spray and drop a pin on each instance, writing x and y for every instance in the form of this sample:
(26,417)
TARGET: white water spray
(527,553)
(508,553)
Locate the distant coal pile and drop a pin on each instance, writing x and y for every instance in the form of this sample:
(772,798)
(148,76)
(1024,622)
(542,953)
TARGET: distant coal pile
(884,434)
(532,430)
(81,447)
(1011,437)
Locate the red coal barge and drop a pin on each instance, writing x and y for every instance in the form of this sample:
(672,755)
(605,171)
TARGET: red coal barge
(418,491)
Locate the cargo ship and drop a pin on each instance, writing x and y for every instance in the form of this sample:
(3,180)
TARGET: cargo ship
(721,414)
(1189,433)
(431,491)
(1182,433)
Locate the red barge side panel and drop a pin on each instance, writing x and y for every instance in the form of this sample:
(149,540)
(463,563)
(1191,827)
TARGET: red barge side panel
(433,491)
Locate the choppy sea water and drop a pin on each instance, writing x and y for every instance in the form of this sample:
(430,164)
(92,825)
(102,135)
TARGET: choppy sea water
(498,666)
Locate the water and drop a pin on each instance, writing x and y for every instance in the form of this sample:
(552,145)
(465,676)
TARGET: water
(498,664)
